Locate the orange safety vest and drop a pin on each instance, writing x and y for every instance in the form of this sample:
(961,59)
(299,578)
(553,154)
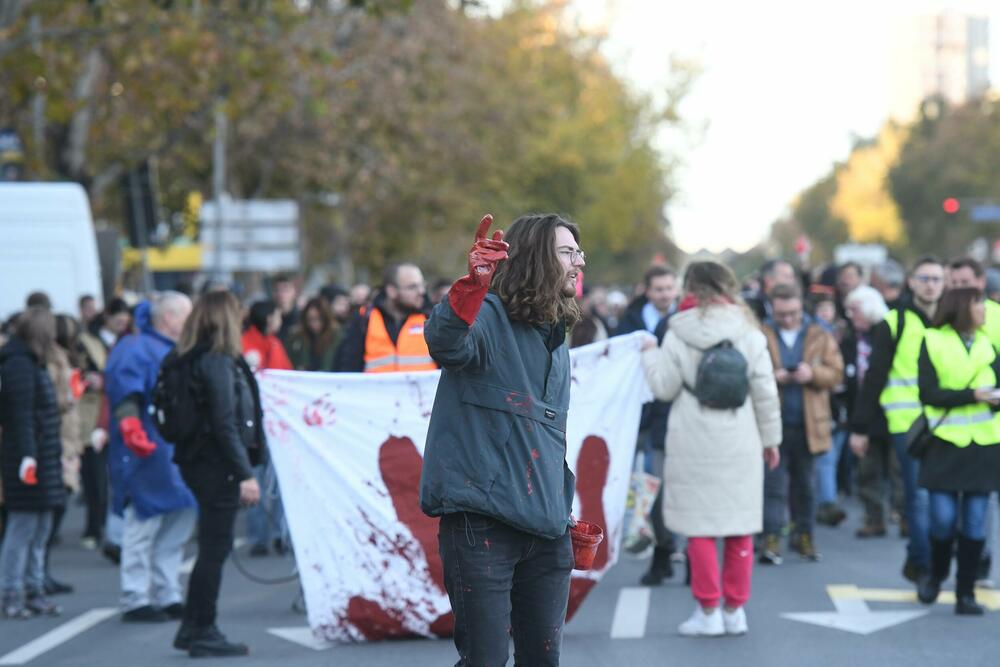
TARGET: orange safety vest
(408,354)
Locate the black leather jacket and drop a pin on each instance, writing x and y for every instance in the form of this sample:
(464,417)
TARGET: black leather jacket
(233,432)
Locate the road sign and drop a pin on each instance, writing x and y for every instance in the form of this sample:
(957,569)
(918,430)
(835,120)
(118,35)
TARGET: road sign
(252,235)
(985,213)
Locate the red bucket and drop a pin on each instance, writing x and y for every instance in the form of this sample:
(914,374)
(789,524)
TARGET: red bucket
(586,537)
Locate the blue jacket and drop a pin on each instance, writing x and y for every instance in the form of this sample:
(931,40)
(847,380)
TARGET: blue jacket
(496,444)
(152,485)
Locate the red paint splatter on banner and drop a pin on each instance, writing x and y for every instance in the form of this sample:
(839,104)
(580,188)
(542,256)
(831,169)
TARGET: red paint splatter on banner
(487,544)
(527,476)
(592,466)
(277,429)
(535,454)
(374,622)
(320,412)
(400,465)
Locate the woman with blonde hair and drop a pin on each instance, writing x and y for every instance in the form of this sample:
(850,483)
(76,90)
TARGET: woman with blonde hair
(217,463)
(713,480)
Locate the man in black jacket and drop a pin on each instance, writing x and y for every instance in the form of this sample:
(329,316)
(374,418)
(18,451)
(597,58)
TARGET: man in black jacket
(495,461)
(891,384)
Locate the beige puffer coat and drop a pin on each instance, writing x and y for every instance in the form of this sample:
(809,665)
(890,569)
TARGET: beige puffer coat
(713,476)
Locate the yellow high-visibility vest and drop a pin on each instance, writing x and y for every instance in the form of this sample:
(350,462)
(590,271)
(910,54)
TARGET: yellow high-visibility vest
(900,400)
(955,366)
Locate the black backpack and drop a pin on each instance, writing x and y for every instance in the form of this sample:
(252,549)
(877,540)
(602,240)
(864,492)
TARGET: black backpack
(176,405)
(722,380)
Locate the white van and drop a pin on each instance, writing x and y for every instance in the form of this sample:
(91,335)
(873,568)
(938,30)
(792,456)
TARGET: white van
(47,243)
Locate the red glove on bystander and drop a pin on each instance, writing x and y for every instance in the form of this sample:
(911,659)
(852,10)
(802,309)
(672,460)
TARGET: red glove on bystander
(467,293)
(135,437)
(28,472)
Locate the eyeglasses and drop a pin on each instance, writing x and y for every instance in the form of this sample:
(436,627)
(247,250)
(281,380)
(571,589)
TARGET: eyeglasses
(928,280)
(574,255)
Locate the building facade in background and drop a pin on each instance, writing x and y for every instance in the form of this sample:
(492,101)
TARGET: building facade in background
(943,55)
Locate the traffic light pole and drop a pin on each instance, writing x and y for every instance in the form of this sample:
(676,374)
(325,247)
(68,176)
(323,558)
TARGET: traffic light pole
(219,181)
(135,201)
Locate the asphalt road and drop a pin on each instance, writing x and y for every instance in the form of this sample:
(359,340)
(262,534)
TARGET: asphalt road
(855,589)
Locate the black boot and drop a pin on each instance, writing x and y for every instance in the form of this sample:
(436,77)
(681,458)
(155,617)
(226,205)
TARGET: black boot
(929,583)
(182,640)
(55,587)
(969,552)
(210,643)
(661,568)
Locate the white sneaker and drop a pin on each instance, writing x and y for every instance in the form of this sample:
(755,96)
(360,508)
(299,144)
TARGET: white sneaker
(735,621)
(703,625)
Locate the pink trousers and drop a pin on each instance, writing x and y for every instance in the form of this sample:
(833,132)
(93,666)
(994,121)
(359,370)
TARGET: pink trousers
(735,581)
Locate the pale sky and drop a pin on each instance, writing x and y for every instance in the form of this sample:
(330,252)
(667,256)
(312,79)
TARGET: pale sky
(785,86)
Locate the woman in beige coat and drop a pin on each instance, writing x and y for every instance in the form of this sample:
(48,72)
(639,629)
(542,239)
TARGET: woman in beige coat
(713,478)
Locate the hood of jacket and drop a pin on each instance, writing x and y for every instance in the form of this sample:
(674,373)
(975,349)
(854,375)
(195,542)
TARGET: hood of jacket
(704,327)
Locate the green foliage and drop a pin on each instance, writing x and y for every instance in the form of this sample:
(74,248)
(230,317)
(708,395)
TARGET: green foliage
(419,116)
(954,153)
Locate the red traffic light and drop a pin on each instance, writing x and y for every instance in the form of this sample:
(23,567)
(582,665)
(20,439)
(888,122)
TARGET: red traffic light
(951,205)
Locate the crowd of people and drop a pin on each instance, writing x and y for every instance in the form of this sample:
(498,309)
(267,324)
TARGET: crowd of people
(899,365)
(876,382)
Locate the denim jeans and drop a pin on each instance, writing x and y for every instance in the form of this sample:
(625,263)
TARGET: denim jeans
(152,553)
(218,495)
(918,549)
(826,468)
(502,582)
(22,556)
(944,507)
(790,485)
(265,520)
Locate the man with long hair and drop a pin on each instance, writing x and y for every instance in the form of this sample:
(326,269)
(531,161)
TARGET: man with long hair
(495,461)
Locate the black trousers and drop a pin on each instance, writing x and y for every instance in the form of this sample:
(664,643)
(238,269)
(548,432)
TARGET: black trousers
(218,494)
(502,582)
(94,475)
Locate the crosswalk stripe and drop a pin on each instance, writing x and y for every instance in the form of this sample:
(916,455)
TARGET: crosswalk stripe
(57,636)
(630,614)
(301,636)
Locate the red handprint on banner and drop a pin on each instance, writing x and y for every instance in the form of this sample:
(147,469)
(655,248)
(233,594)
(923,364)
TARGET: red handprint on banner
(592,464)
(400,465)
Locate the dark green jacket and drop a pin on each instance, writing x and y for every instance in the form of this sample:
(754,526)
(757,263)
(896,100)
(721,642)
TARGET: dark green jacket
(300,351)
(496,444)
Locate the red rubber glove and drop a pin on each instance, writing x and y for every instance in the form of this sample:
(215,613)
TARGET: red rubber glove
(135,437)
(467,293)
(28,471)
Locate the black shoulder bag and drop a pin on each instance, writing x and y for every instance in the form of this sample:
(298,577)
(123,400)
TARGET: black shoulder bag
(918,437)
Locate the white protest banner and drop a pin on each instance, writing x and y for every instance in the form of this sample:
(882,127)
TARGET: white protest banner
(347,449)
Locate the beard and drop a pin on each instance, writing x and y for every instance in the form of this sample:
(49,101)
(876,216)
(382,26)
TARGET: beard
(569,288)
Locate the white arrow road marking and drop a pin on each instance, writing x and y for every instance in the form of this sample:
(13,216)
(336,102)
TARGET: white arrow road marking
(853,615)
(302,637)
(57,636)
(630,613)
